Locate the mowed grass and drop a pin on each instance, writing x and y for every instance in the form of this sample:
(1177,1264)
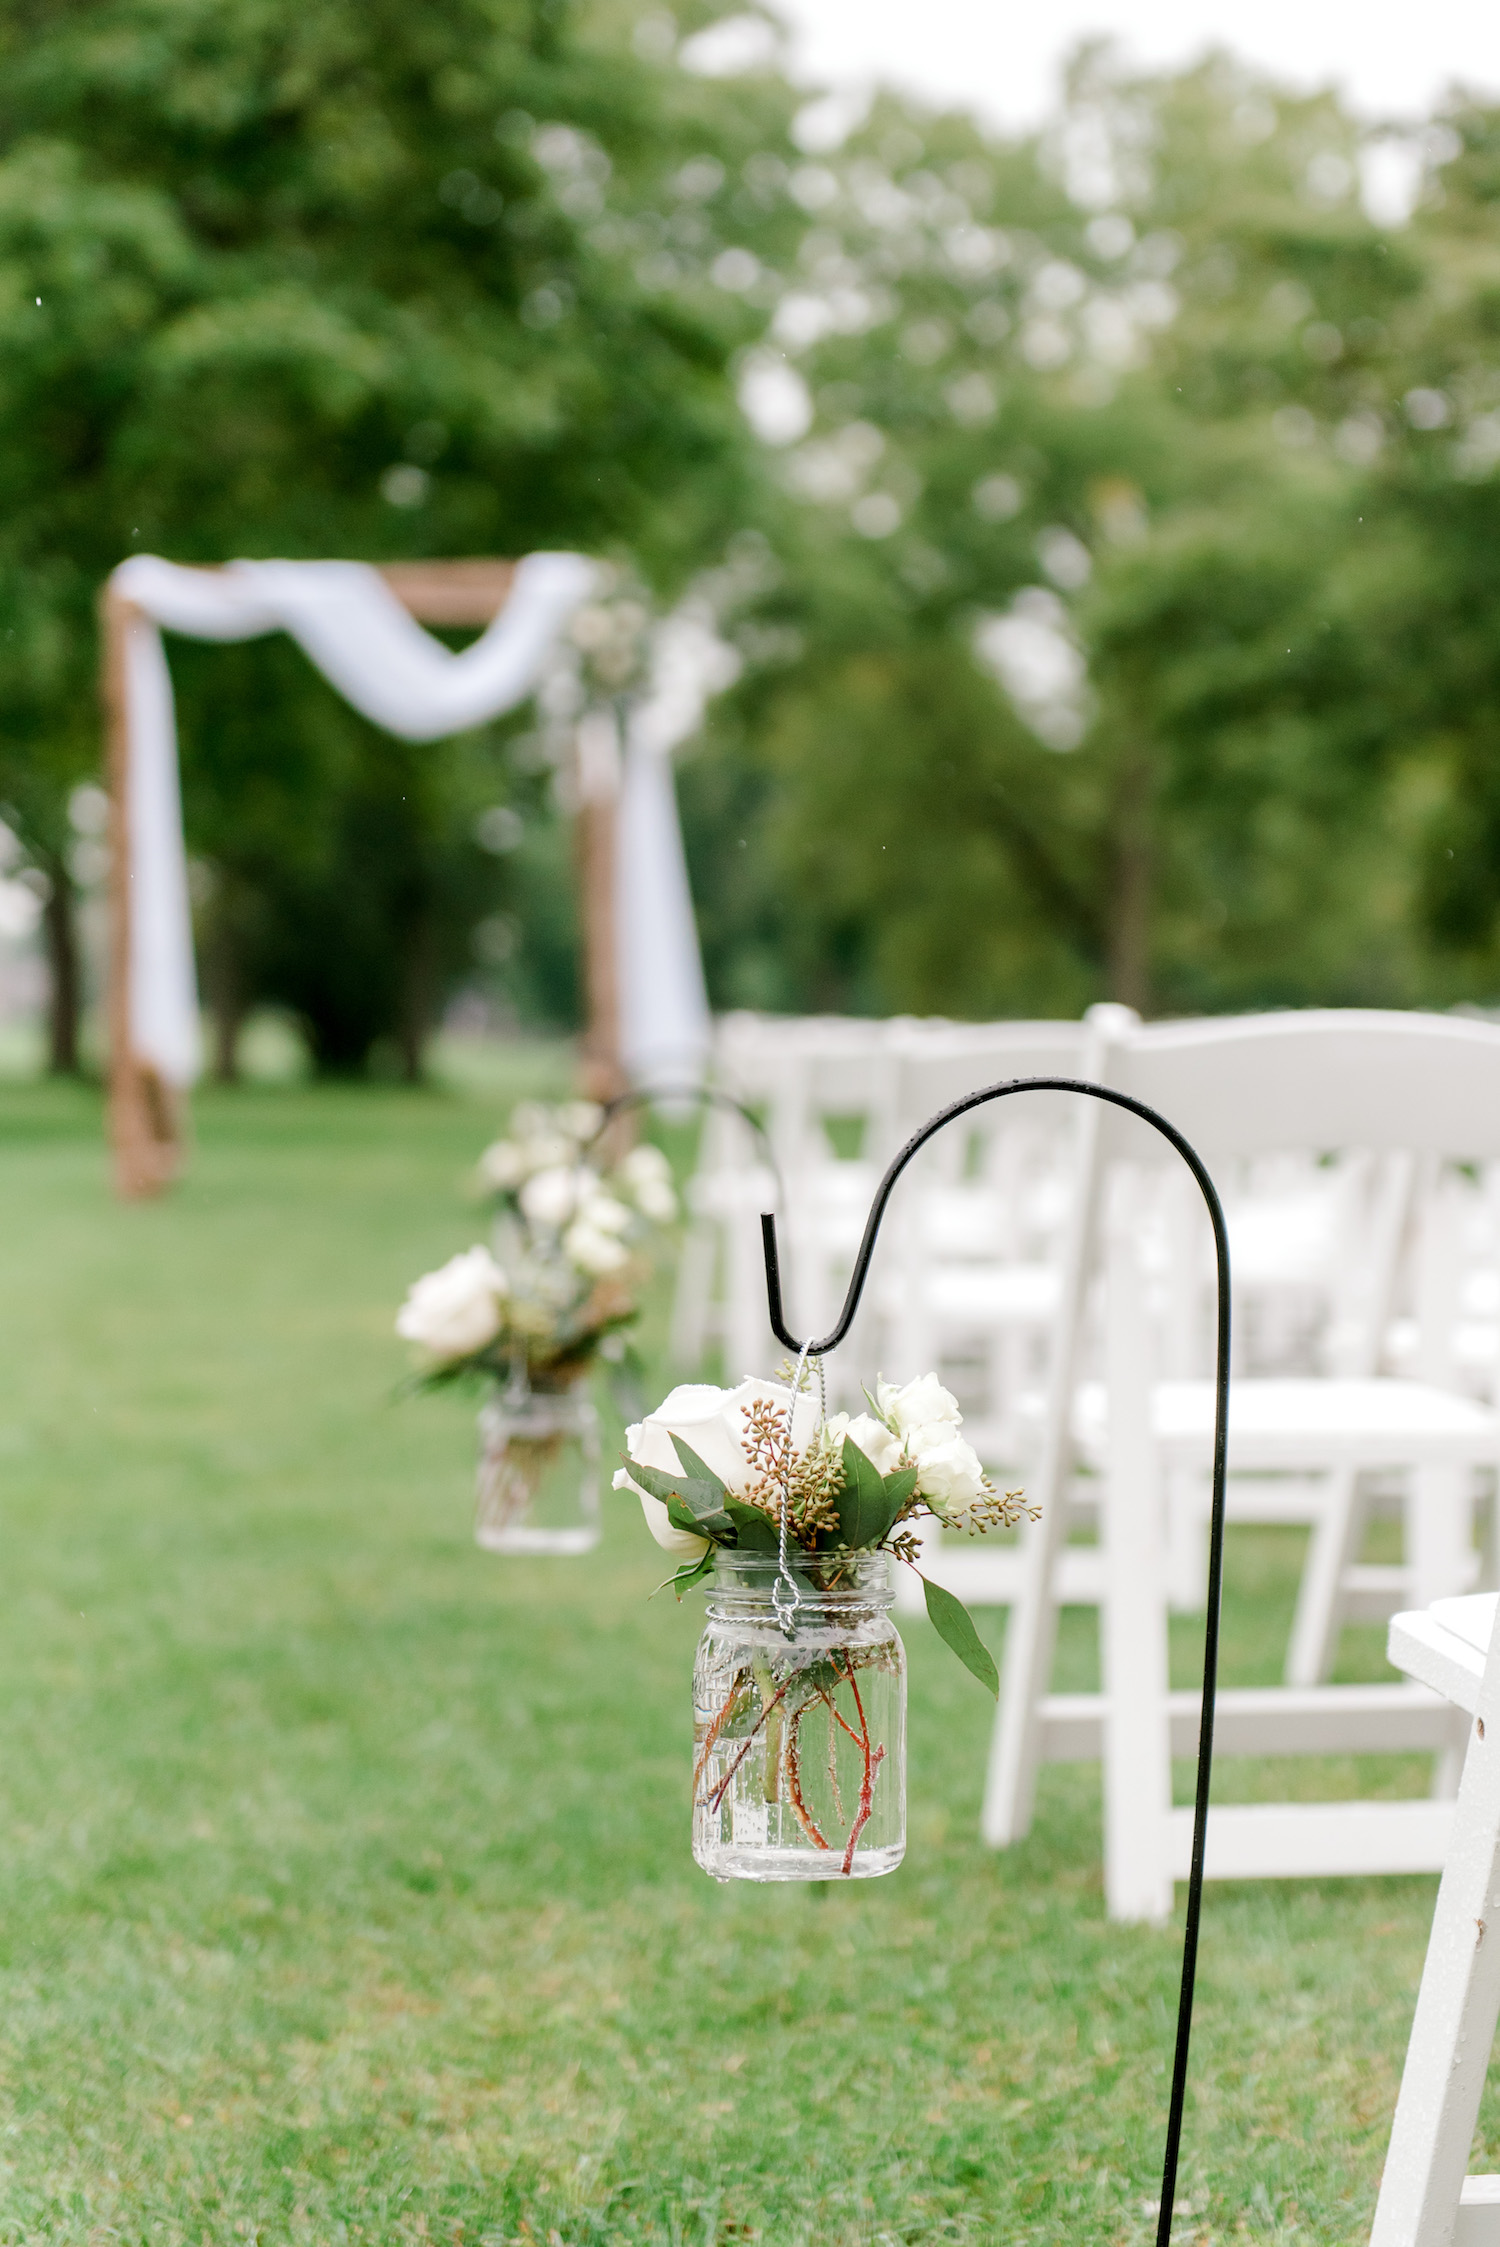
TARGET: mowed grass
(345,1891)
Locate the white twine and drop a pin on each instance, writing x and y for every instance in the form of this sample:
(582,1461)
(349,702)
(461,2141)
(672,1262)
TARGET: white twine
(787,1603)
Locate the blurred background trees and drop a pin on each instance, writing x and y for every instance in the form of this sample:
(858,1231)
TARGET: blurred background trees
(1108,516)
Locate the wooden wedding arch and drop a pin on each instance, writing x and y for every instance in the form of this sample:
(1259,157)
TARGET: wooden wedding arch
(148,1117)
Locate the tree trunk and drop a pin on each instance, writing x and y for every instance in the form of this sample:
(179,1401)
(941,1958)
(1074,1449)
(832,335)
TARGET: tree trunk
(221,951)
(1130,897)
(65,998)
(417,996)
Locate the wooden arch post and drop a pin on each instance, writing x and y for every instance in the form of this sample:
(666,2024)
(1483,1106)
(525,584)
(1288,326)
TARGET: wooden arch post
(148,1118)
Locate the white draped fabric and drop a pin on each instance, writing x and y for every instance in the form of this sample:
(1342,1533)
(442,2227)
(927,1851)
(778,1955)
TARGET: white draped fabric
(349,622)
(665,1028)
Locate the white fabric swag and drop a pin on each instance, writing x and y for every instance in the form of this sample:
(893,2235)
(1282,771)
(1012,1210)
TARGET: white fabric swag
(348,621)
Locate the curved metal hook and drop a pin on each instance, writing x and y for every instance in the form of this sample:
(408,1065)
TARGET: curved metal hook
(1216,1519)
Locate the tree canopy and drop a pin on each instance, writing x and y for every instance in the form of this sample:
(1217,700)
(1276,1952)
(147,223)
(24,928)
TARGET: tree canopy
(1110,507)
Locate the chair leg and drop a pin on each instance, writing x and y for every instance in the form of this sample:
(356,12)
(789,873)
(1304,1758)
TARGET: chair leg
(1315,1628)
(1457,2007)
(1030,1642)
(1133,1633)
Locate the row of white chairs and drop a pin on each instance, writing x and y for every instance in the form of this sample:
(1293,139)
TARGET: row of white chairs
(1356,1154)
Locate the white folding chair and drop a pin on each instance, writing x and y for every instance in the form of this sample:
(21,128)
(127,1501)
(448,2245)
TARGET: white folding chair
(1426,2200)
(1422,1085)
(1043,1301)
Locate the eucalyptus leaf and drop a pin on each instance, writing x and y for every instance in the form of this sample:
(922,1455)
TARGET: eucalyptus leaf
(900,1484)
(756,1532)
(698,1468)
(699,1497)
(954,1624)
(717,1526)
(687,1575)
(867,1511)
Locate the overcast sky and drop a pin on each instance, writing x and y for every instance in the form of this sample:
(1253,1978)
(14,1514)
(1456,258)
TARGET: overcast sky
(1391,57)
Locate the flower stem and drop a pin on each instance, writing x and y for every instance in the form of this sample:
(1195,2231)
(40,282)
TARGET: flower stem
(805,1817)
(867,1777)
(723,1787)
(771,1782)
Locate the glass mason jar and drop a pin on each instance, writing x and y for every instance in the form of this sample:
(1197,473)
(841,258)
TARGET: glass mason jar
(799,1743)
(537,1487)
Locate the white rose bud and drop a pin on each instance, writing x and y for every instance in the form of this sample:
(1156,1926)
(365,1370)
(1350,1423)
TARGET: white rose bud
(871,1436)
(918,1404)
(949,1475)
(454,1311)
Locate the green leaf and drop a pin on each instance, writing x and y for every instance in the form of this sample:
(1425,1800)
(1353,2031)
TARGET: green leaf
(900,1485)
(698,1468)
(687,1575)
(690,1504)
(756,1533)
(698,1497)
(718,1526)
(953,1622)
(867,1510)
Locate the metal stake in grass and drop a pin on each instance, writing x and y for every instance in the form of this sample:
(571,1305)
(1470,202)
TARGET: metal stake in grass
(817,1350)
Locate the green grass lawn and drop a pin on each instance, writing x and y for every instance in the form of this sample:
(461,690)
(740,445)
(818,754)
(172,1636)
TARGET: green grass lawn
(346,1885)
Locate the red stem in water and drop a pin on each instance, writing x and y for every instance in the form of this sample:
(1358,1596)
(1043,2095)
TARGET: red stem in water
(867,1777)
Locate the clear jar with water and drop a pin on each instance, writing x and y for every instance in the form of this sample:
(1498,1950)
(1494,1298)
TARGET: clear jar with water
(537,1486)
(799,1741)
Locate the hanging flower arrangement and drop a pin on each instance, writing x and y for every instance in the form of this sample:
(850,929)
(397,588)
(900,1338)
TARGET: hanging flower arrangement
(529,1313)
(800,1683)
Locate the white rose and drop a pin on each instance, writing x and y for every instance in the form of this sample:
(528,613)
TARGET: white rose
(918,1404)
(593,1251)
(711,1421)
(455,1310)
(871,1436)
(551,1197)
(503,1165)
(949,1475)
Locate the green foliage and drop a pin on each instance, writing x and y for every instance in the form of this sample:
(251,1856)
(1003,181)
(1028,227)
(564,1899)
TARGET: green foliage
(1148,395)
(305,277)
(955,1627)
(1159,388)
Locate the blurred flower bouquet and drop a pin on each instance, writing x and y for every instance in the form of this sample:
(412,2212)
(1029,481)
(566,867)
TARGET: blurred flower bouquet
(799,1517)
(529,1314)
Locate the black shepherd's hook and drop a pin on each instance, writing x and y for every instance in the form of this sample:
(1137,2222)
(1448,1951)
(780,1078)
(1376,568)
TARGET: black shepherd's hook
(1216,1531)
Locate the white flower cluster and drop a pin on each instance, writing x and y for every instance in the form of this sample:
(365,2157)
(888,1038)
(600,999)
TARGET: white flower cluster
(541,1138)
(919,1424)
(562,1229)
(562,1199)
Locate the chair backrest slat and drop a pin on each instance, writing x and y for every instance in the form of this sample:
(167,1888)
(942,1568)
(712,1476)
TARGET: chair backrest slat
(1426,1084)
